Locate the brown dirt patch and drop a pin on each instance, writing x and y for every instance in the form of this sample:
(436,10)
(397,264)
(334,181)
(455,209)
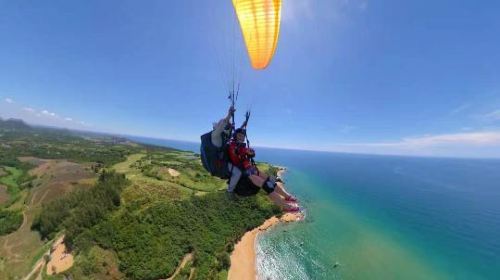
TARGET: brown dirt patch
(43,166)
(2,172)
(4,196)
(54,179)
(32,160)
(170,172)
(19,248)
(57,177)
(60,259)
(173,172)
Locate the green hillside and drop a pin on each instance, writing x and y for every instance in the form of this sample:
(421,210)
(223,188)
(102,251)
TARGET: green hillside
(128,211)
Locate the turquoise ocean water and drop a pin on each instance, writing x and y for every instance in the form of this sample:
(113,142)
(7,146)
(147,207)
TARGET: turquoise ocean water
(382,217)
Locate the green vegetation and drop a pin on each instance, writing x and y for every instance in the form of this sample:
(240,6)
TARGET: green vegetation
(41,252)
(22,140)
(80,209)
(161,166)
(137,222)
(185,272)
(269,169)
(95,263)
(16,179)
(12,177)
(151,243)
(10,221)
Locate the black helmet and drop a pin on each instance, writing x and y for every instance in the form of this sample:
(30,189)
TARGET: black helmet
(240,130)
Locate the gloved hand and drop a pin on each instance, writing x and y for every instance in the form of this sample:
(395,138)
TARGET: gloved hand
(251,152)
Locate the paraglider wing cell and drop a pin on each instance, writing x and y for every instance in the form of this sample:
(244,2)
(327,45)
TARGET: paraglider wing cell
(260,25)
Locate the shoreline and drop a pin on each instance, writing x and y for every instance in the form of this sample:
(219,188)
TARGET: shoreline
(243,258)
(281,171)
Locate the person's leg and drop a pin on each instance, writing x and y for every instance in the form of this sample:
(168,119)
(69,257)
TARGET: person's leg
(262,175)
(268,181)
(257,180)
(279,201)
(253,174)
(235,177)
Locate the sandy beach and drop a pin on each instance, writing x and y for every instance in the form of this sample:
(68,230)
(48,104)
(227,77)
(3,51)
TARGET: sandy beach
(243,266)
(243,257)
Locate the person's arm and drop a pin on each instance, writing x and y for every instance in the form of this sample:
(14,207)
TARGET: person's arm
(251,152)
(230,113)
(221,125)
(247,116)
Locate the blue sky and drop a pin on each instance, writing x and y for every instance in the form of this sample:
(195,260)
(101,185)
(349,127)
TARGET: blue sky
(383,77)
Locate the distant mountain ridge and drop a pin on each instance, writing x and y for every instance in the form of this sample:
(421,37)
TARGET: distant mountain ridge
(17,124)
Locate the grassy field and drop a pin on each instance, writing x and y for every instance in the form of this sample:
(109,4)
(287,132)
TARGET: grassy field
(168,207)
(11,175)
(165,175)
(22,248)
(4,195)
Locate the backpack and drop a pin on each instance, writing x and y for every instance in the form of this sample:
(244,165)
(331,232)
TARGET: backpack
(213,158)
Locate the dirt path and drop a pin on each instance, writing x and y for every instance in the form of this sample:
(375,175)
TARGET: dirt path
(25,220)
(15,258)
(183,263)
(55,178)
(4,195)
(38,267)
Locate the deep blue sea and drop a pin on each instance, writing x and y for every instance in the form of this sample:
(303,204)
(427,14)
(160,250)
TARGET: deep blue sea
(383,217)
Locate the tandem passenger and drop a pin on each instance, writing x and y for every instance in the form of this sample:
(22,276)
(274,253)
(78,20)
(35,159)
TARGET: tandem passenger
(242,157)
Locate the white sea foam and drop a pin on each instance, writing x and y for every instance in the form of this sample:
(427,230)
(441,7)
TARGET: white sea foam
(280,260)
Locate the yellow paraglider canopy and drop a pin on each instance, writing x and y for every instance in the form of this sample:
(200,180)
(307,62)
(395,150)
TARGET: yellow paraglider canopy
(260,24)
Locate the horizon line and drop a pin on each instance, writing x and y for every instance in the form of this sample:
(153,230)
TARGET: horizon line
(263,146)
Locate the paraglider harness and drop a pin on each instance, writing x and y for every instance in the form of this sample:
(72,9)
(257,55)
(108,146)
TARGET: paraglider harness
(215,159)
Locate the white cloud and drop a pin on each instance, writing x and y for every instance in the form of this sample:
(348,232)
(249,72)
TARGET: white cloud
(471,138)
(459,109)
(50,114)
(85,124)
(492,116)
(42,117)
(466,138)
(466,144)
(46,117)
